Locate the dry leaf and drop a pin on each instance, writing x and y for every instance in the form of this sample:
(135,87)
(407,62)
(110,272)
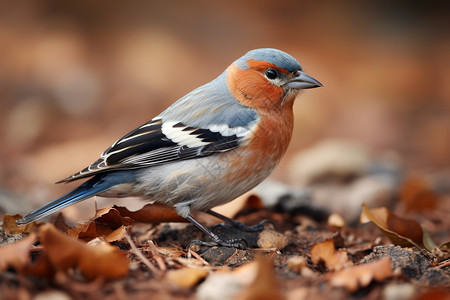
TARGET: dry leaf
(298,265)
(152,213)
(265,285)
(116,235)
(255,202)
(231,209)
(64,252)
(185,278)
(417,195)
(402,232)
(112,217)
(16,255)
(107,223)
(170,251)
(439,293)
(226,284)
(361,275)
(11,227)
(334,259)
(443,252)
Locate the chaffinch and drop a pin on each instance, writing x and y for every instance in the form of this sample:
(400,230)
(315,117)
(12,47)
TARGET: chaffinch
(209,147)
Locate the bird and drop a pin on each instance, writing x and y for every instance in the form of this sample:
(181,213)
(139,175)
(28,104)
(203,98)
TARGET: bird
(206,149)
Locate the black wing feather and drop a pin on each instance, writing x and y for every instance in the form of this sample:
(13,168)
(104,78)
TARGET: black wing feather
(149,146)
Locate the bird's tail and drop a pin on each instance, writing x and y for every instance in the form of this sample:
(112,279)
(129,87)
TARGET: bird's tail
(90,188)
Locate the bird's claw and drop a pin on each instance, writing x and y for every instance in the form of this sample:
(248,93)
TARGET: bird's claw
(247,228)
(233,243)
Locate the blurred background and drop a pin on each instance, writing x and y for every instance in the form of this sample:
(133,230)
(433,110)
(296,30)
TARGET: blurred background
(77,75)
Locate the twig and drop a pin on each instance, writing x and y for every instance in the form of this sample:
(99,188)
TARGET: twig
(157,256)
(444,264)
(141,256)
(195,254)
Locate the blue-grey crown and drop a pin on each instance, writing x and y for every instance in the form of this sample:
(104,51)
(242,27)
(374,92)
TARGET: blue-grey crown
(274,56)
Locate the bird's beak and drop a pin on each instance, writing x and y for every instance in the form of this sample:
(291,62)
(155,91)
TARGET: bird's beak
(303,81)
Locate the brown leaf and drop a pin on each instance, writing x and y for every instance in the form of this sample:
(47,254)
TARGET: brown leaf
(405,227)
(361,275)
(107,223)
(42,267)
(116,235)
(254,201)
(112,217)
(170,251)
(16,255)
(152,213)
(185,278)
(334,259)
(437,293)
(402,232)
(298,265)
(417,195)
(10,226)
(65,252)
(442,252)
(265,285)
(248,200)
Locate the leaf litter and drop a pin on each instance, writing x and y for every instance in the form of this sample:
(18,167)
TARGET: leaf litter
(135,253)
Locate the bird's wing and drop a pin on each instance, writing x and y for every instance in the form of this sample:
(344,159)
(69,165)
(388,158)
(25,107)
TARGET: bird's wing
(158,142)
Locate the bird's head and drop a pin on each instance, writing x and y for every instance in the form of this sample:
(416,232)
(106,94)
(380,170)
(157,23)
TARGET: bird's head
(264,78)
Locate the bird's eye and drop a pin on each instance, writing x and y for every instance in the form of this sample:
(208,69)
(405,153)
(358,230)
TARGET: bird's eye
(271,73)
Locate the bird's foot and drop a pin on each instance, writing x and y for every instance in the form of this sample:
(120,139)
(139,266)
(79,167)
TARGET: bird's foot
(216,240)
(247,228)
(233,243)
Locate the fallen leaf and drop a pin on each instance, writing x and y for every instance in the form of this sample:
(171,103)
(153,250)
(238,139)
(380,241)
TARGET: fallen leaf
(116,235)
(255,202)
(52,295)
(402,232)
(94,230)
(298,265)
(445,246)
(428,243)
(65,252)
(108,223)
(16,255)
(248,200)
(170,251)
(442,252)
(361,275)
(11,227)
(112,217)
(265,285)
(334,259)
(185,278)
(226,284)
(439,293)
(152,213)
(417,195)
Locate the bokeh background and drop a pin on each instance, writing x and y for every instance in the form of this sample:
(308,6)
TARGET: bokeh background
(77,75)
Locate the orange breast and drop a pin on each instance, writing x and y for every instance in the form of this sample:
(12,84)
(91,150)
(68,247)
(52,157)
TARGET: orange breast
(273,133)
(265,149)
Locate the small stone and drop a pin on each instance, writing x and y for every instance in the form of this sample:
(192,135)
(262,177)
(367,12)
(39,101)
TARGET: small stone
(296,264)
(335,221)
(270,239)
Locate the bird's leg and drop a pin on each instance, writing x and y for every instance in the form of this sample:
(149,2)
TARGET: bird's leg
(216,240)
(239,225)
